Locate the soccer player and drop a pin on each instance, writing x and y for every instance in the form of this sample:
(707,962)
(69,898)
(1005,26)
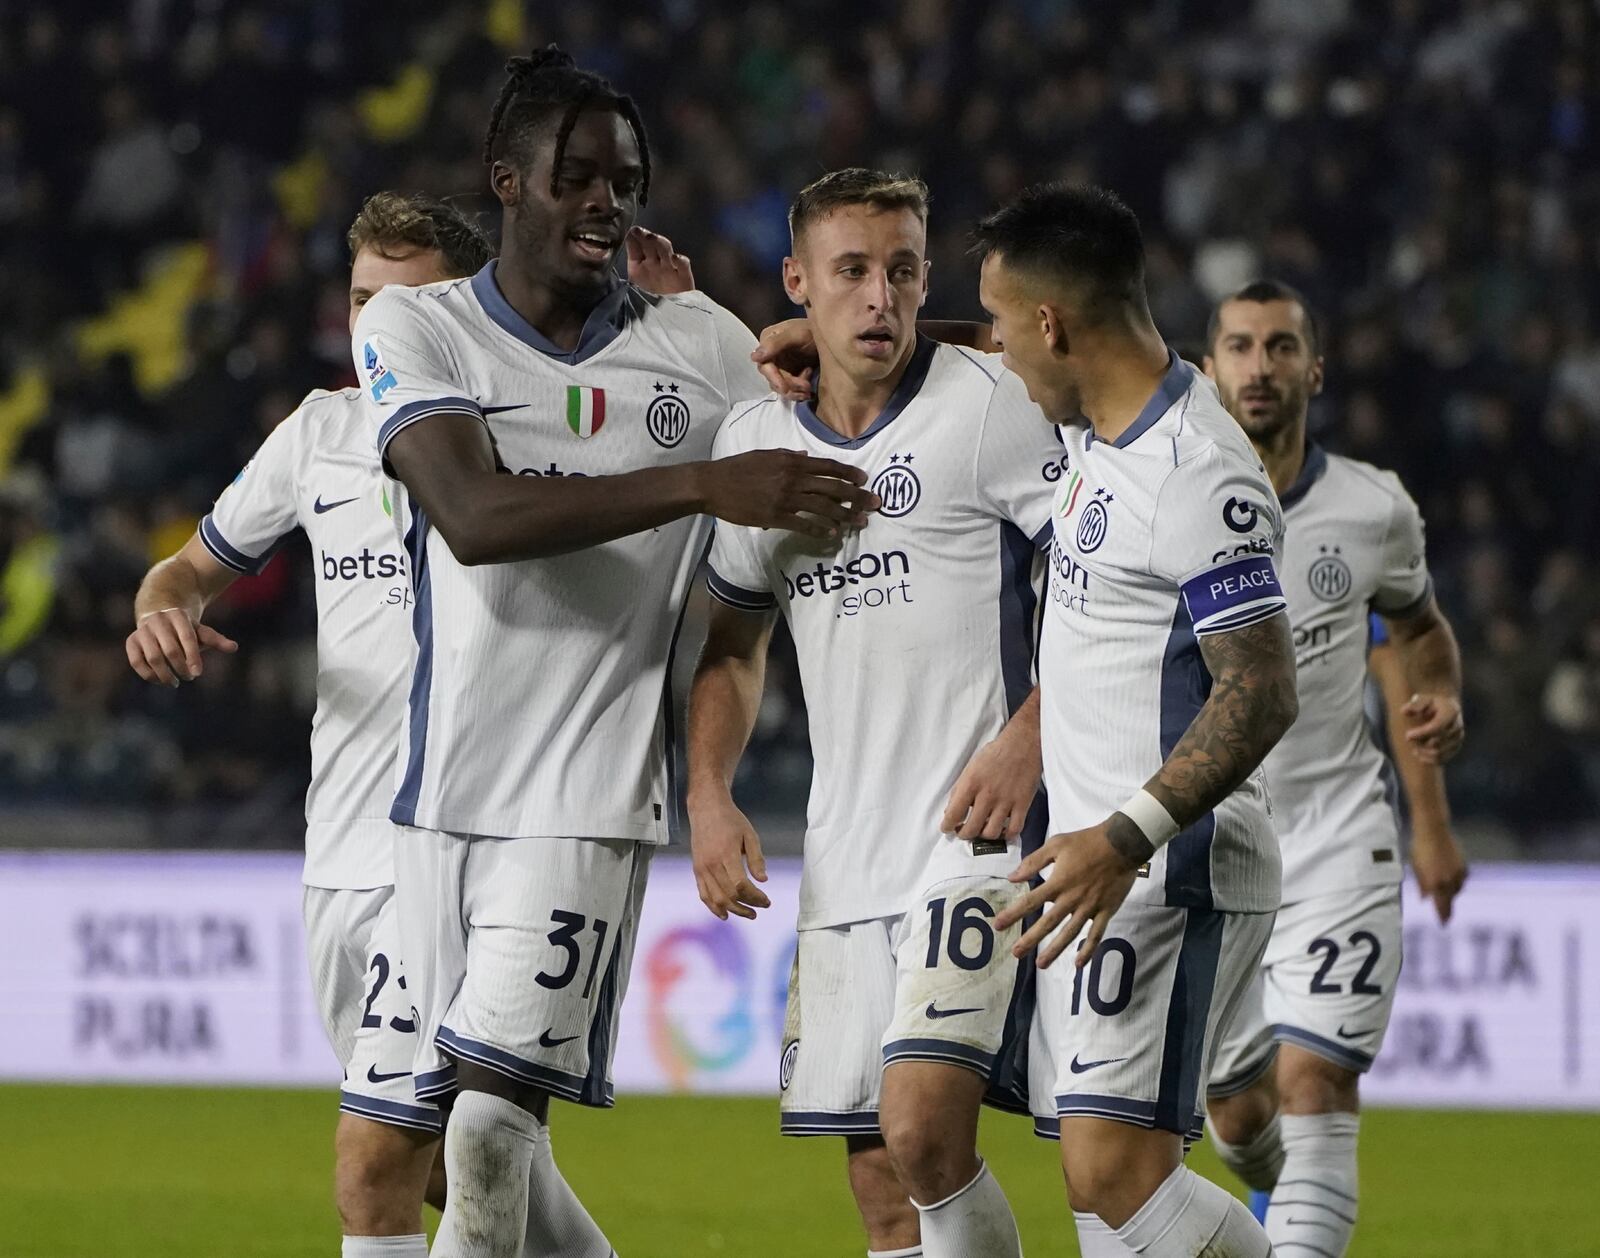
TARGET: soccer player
(386,1141)
(1317,1013)
(548,428)
(1166,674)
(317,472)
(915,643)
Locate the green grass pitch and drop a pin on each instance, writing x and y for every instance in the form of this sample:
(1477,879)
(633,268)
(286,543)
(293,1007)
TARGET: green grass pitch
(193,1173)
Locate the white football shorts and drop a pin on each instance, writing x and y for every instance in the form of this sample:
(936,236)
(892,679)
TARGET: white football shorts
(353,938)
(1131,1035)
(520,950)
(1327,985)
(936,984)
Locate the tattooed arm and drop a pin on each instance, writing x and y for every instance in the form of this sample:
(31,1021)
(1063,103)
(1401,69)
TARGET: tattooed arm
(1252,704)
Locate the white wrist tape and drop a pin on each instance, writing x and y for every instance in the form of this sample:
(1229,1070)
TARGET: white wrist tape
(1150,815)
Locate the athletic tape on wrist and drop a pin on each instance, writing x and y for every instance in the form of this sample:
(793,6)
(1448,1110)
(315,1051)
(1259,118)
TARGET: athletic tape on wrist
(1150,815)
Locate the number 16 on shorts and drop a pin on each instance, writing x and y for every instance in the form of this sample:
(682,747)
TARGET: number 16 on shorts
(954,975)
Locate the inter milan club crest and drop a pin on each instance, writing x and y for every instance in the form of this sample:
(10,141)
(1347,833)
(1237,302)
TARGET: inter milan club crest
(1092,523)
(668,416)
(791,1051)
(897,486)
(1329,576)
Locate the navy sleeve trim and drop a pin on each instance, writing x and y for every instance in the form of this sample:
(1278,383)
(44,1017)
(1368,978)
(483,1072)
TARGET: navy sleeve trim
(736,596)
(411,412)
(230,556)
(1243,618)
(1410,609)
(1043,539)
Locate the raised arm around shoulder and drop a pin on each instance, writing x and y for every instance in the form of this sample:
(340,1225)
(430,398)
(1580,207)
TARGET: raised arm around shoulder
(1252,704)
(168,638)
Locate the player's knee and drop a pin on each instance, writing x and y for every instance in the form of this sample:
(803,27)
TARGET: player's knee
(929,1164)
(375,1183)
(879,1194)
(1310,1084)
(1091,1181)
(1239,1119)
(1114,1175)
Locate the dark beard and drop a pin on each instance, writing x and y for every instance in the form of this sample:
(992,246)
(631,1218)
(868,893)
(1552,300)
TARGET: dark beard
(1279,420)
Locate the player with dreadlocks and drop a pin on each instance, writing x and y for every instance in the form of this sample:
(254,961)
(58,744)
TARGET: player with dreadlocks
(549,427)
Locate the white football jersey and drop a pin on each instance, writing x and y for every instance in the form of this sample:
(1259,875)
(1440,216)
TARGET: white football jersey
(1354,545)
(539,705)
(317,471)
(915,635)
(1162,537)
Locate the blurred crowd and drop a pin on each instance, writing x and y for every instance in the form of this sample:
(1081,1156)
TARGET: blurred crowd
(176,177)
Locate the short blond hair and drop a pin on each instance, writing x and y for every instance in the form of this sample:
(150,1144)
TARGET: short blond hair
(856,185)
(393,224)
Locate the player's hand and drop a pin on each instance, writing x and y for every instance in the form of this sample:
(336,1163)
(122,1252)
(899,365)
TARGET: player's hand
(1437,728)
(787,357)
(992,796)
(166,646)
(727,860)
(784,489)
(1086,885)
(654,265)
(1440,867)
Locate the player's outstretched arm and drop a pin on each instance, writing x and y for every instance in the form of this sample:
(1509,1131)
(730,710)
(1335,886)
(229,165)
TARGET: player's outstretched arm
(1436,857)
(1252,703)
(723,702)
(168,639)
(1431,665)
(447,463)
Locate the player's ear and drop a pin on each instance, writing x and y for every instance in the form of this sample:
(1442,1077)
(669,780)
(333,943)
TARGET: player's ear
(1209,366)
(926,268)
(1316,376)
(1053,329)
(506,181)
(794,281)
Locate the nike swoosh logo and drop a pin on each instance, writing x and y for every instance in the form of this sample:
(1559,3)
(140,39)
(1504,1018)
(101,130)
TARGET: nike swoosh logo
(374,1077)
(319,506)
(1351,1035)
(935,1012)
(495,410)
(1078,1067)
(545,1040)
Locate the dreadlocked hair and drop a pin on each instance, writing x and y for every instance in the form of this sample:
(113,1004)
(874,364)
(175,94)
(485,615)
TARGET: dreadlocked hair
(538,86)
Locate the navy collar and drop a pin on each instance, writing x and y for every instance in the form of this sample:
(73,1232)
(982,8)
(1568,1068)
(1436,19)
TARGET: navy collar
(604,324)
(910,384)
(1310,473)
(1173,386)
